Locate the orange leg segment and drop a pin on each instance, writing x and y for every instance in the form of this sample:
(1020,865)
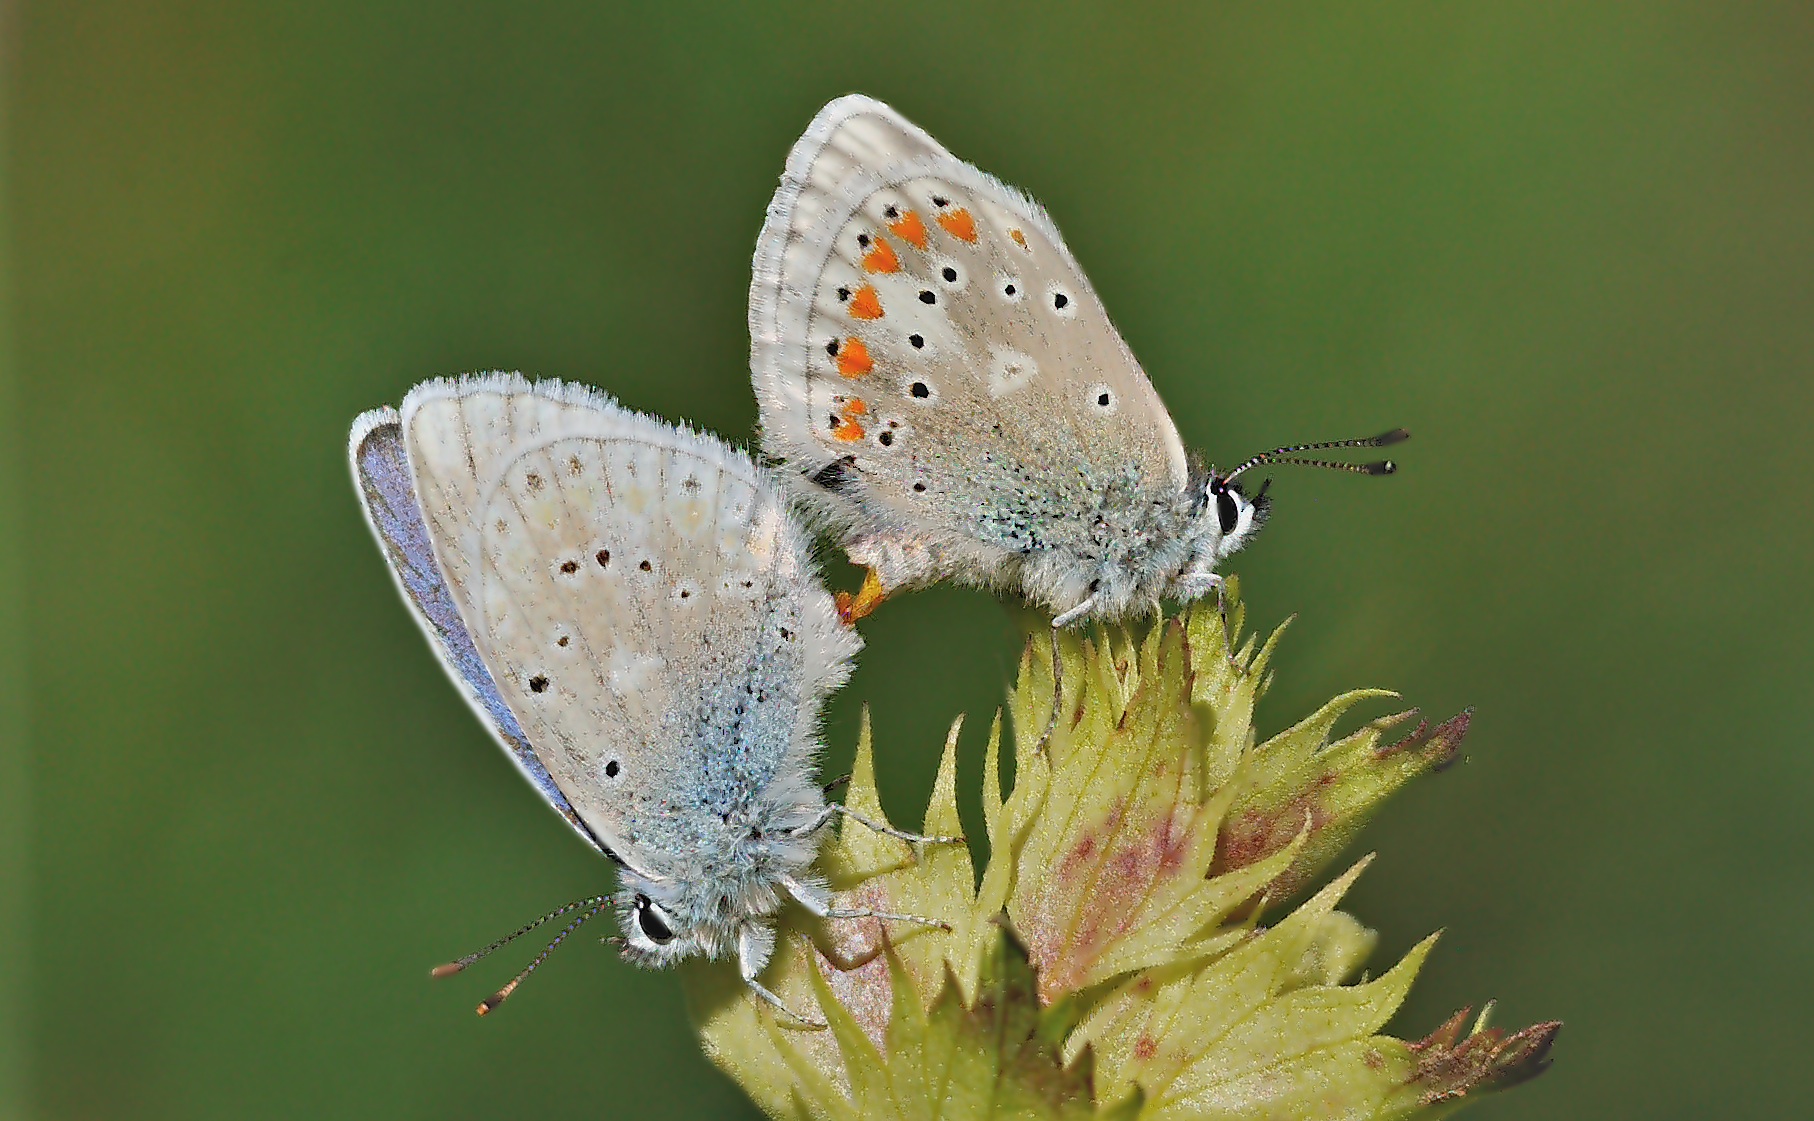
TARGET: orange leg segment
(868,598)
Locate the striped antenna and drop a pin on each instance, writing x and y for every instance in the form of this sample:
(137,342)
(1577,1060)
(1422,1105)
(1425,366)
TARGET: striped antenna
(593,906)
(1287,455)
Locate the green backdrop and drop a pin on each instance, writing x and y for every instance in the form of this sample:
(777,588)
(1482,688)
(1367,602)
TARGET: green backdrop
(1570,246)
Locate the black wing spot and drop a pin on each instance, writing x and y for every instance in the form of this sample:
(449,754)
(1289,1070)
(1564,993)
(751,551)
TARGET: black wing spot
(928,297)
(1009,289)
(916,341)
(538,683)
(569,567)
(1060,300)
(889,212)
(950,274)
(831,348)
(919,486)
(646,566)
(940,200)
(835,476)
(603,557)
(562,640)
(885,438)
(844,295)
(863,240)
(611,769)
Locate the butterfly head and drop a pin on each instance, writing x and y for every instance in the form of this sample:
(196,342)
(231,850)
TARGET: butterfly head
(1229,518)
(653,936)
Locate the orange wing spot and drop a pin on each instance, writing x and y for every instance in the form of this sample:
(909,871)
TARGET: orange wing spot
(881,258)
(959,224)
(865,304)
(1020,239)
(910,229)
(843,422)
(853,359)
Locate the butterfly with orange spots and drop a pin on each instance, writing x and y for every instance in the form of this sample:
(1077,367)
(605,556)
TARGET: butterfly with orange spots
(1007,437)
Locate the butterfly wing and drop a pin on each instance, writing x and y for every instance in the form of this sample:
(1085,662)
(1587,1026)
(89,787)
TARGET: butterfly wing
(926,350)
(639,595)
(381,474)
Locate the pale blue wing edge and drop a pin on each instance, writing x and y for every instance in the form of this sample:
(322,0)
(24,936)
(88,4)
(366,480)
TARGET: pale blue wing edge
(387,494)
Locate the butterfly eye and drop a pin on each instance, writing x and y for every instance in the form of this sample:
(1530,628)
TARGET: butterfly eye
(649,920)
(1227,512)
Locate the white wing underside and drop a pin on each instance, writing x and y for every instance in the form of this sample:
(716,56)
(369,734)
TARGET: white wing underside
(388,498)
(618,577)
(982,380)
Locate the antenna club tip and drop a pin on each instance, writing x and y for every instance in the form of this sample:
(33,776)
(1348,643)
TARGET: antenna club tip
(489,1003)
(1383,467)
(447,970)
(1396,436)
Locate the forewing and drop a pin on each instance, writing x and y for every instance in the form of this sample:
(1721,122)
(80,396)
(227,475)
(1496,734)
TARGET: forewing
(381,474)
(640,595)
(920,329)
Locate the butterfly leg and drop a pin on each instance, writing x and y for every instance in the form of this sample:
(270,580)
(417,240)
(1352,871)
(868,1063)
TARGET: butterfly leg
(834,808)
(1228,632)
(1045,737)
(814,899)
(1074,613)
(868,598)
(1198,583)
(754,946)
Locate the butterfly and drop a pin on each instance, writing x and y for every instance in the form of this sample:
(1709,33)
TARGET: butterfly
(633,612)
(941,387)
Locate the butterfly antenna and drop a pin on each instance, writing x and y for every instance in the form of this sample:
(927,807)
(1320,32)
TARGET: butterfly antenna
(593,906)
(1287,455)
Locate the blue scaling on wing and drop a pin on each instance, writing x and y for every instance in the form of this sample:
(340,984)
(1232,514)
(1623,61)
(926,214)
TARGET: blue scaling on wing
(388,495)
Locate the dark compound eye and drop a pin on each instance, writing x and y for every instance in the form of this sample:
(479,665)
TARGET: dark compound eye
(649,919)
(1226,511)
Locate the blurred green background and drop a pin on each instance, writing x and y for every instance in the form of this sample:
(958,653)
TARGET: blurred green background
(1570,246)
